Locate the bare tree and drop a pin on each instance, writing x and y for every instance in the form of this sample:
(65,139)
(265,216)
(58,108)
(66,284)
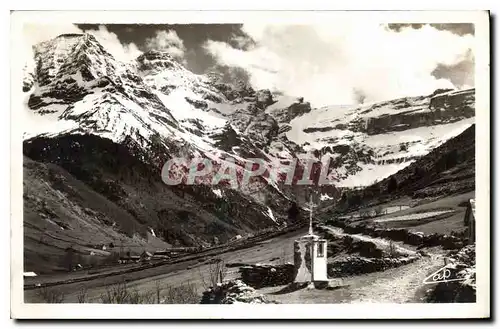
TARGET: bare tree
(216,273)
(364,213)
(393,253)
(283,256)
(183,294)
(148,298)
(121,293)
(116,294)
(82,294)
(135,297)
(51,295)
(158,290)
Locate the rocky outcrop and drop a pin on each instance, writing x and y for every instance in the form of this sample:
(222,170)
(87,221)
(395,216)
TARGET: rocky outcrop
(443,108)
(317,129)
(202,105)
(155,60)
(264,98)
(161,72)
(233,292)
(352,127)
(284,128)
(28,78)
(236,95)
(287,114)
(298,108)
(461,102)
(253,122)
(396,160)
(262,129)
(461,266)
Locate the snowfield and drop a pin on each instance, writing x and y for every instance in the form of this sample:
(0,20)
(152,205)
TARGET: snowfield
(419,216)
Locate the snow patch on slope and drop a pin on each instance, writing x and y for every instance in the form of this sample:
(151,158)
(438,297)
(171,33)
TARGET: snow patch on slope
(182,110)
(270,214)
(371,173)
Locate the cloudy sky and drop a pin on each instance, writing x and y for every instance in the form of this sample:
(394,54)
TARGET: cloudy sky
(326,64)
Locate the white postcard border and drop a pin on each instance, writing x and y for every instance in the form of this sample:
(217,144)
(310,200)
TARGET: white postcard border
(354,311)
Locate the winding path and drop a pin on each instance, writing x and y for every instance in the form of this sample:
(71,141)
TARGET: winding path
(398,285)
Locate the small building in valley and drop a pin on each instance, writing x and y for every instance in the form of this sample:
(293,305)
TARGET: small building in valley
(129,259)
(29,274)
(146,255)
(235,238)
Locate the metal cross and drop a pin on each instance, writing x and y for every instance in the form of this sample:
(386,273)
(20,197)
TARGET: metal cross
(311,205)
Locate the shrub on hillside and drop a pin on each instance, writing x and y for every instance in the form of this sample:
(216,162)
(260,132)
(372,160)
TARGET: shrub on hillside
(51,295)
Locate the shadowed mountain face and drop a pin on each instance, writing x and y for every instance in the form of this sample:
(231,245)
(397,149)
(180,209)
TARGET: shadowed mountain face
(71,181)
(98,132)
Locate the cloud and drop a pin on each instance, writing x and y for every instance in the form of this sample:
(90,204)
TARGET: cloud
(121,51)
(456,28)
(242,42)
(460,73)
(34,34)
(343,63)
(169,42)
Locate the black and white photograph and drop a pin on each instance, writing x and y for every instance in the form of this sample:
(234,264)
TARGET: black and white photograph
(335,161)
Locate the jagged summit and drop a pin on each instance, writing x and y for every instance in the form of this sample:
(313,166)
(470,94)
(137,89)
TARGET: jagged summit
(156,54)
(82,88)
(62,57)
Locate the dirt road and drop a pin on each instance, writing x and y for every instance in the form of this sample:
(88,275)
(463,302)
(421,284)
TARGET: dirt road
(397,285)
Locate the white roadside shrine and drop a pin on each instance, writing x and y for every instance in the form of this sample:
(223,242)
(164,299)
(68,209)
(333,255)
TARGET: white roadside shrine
(310,255)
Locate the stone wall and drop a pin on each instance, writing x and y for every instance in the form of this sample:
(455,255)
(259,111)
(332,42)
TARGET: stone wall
(259,276)
(355,265)
(233,292)
(399,234)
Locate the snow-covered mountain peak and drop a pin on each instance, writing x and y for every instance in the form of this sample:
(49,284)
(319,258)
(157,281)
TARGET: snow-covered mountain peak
(69,54)
(78,87)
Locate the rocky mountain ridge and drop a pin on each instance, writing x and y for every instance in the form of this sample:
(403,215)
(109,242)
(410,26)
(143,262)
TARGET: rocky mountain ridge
(112,126)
